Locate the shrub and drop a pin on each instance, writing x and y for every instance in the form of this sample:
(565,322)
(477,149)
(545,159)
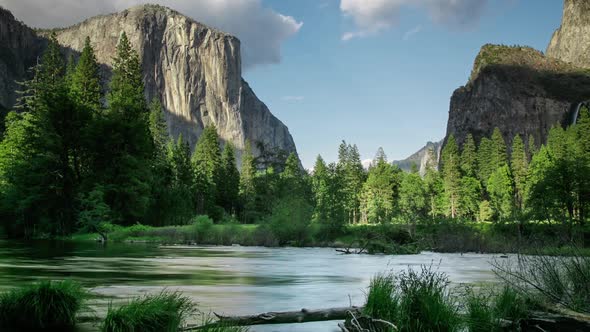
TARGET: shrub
(414,301)
(50,305)
(561,280)
(382,298)
(164,312)
(487,310)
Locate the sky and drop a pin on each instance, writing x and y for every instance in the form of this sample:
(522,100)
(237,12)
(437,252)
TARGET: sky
(375,73)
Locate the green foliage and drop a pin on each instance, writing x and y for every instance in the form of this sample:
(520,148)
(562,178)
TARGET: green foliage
(470,197)
(207,167)
(519,170)
(350,169)
(412,196)
(383,298)
(49,305)
(557,280)
(164,312)
(500,188)
(290,220)
(469,157)
(247,187)
(485,211)
(380,191)
(451,170)
(85,85)
(229,186)
(95,215)
(330,210)
(414,301)
(486,311)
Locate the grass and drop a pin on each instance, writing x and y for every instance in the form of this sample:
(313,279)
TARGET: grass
(48,305)
(558,280)
(492,311)
(164,312)
(415,301)
(394,238)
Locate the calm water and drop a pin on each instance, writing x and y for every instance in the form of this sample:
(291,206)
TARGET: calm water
(231,280)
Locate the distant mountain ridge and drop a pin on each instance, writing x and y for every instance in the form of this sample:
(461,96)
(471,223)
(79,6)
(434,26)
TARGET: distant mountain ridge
(421,158)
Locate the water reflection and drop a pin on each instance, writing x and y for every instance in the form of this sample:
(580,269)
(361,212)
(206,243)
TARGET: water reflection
(232,280)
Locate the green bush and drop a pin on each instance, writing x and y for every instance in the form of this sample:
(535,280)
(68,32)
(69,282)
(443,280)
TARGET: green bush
(382,298)
(560,280)
(49,305)
(414,301)
(164,312)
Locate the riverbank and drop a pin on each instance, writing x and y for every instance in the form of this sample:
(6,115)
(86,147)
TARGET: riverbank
(449,237)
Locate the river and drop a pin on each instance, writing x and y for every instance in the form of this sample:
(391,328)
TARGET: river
(231,280)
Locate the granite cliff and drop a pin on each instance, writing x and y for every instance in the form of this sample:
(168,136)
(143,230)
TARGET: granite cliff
(571,42)
(520,91)
(430,153)
(193,69)
(523,91)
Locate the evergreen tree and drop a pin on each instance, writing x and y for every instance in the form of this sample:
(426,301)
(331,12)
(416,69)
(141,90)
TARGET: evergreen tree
(519,168)
(85,80)
(208,170)
(127,90)
(434,189)
(351,170)
(485,165)
(247,188)
(230,180)
(121,157)
(469,157)
(531,147)
(500,188)
(44,139)
(470,198)
(451,175)
(379,191)
(158,127)
(182,182)
(499,156)
(412,196)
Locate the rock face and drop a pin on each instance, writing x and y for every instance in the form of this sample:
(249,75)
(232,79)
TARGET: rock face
(428,154)
(193,69)
(571,42)
(19,47)
(518,90)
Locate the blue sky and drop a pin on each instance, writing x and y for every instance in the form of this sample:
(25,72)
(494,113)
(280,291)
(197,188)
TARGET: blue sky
(389,88)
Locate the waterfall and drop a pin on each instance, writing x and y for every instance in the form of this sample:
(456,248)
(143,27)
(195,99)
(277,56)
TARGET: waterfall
(577,111)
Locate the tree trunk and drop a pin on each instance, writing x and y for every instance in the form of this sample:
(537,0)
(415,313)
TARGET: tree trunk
(286,317)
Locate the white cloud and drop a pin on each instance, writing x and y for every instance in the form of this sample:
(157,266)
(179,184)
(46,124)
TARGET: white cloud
(261,29)
(367,163)
(408,34)
(293,98)
(373,16)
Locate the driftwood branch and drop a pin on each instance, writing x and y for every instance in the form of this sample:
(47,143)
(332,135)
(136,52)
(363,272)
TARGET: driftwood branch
(285,317)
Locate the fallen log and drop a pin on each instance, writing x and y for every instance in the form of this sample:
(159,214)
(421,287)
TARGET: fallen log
(288,317)
(285,317)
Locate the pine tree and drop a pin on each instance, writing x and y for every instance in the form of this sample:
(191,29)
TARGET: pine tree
(379,191)
(470,199)
(499,155)
(207,166)
(247,186)
(127,90)
(180,193)
(531,147)
(85,82)
(469,157)
(412,196)
(351,170)
(501,190)
(519,168)
(122,155)
(434,188)
(485,165)
(451,175)
(158,127)
(230,180)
